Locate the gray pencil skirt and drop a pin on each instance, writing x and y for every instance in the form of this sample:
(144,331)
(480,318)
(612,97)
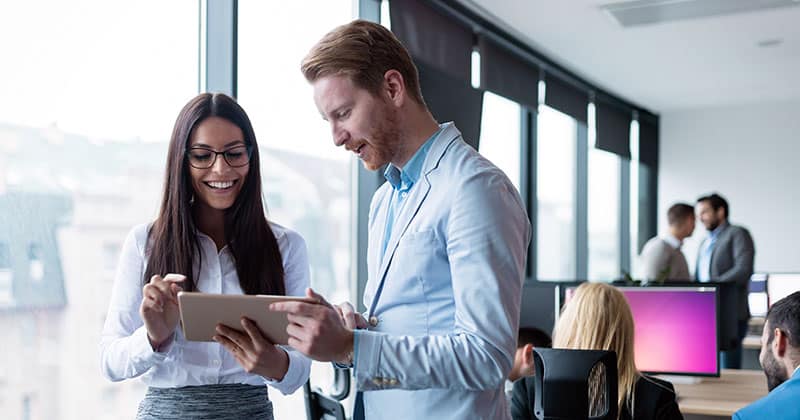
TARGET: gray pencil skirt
(228,401)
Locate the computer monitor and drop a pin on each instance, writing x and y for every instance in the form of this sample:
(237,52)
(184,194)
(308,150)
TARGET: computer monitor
(757,297)
(676,329)
(780,285)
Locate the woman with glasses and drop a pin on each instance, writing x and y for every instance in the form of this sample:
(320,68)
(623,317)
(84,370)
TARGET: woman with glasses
(211,228)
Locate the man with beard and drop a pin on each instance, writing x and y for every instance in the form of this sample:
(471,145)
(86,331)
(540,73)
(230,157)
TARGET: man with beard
(726,255)
(448,238)
(780,359)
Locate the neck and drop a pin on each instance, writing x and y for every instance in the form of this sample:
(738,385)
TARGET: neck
(211,222)
(793,365)
(417,127)
(676,234)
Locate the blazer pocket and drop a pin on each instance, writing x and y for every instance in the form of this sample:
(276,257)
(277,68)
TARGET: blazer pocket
(418,242)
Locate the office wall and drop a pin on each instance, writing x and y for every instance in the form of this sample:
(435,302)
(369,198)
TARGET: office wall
(750,154)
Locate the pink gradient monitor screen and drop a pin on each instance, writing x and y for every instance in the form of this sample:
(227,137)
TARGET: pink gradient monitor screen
(675,329)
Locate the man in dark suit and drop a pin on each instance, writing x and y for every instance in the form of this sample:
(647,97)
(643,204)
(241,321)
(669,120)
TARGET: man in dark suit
(726,255)
(780,359)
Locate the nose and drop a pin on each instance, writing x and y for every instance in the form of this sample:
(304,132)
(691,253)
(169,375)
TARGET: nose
(220,165)
(340,135)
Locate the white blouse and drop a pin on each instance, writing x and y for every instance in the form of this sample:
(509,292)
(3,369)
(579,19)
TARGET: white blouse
(125,351)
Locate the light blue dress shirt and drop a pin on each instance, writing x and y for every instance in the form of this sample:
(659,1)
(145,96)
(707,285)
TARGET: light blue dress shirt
(704,260)
(445,292)
(401,181)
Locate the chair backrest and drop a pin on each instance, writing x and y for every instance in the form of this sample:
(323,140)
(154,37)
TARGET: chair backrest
(328,407)
(562,383)
(320,406)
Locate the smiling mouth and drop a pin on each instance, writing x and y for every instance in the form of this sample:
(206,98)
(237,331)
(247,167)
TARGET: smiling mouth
(220,185)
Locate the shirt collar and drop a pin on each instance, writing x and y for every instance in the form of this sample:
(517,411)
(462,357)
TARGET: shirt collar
(714,233)
(403,179)
(795,371)
(672,241)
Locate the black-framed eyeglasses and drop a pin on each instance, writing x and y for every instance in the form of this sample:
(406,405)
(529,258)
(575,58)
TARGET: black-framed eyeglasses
(203,158)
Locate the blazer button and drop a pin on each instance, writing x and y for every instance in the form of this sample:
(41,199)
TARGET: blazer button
(373,321)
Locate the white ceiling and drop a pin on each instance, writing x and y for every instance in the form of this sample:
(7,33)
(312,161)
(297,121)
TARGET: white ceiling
(702,62)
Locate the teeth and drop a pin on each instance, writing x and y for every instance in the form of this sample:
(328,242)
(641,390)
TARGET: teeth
(220,185)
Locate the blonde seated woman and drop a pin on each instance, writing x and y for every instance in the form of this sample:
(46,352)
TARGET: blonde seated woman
(598,318)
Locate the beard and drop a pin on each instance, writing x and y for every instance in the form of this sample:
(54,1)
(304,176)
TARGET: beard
(385,141)
(776,374)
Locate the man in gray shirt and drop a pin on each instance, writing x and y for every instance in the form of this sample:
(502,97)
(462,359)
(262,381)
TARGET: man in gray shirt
(661,258)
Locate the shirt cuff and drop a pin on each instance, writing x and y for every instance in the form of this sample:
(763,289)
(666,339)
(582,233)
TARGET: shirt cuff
(294,373)
(144,355)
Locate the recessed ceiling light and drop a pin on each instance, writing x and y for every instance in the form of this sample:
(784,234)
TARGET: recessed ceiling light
(766,43)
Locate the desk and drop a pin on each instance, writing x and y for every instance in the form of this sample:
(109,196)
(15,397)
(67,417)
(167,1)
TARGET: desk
(722,396)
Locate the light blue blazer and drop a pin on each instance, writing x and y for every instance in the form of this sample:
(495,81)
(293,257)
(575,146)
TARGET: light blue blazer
(783,403)
(446,294)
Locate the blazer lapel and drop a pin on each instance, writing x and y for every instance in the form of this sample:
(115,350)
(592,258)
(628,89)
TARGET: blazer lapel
(409,210)
(377,230)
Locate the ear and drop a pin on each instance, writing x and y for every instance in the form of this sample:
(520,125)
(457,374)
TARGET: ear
(395,87)
(721,213)
(527,367)
(779,343)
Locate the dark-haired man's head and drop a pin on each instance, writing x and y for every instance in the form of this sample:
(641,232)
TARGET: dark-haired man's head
(780,342)
(681,220)
(712,211)
(527,339)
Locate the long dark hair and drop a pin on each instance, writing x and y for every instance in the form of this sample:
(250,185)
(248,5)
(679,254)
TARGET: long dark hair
(173,243)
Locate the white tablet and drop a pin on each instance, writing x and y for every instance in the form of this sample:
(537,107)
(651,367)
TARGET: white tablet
(201,312)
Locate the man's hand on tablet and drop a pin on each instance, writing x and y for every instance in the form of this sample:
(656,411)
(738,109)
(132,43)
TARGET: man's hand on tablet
(319,330)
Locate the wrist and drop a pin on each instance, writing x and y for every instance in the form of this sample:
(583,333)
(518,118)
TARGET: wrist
(157,344)
(346,357)
(277,371)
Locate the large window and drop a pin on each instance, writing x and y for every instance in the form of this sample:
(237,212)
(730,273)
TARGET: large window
(89,100)
(307,180)
(634,197)
(603,210)
(500,135)
(556,143)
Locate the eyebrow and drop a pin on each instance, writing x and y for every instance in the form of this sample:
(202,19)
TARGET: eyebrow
(201,144)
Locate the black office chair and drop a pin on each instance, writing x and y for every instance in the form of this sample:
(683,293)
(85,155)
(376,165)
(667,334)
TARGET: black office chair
(320,406)
(562,383)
